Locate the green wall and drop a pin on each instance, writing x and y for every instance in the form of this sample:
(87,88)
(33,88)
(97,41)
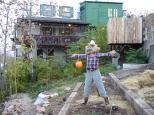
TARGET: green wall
(96,13)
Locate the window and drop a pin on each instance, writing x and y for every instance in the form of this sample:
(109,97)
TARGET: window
(47,10)
(48,31)
(112,13)
(66,11)
(109,12)
(115,12)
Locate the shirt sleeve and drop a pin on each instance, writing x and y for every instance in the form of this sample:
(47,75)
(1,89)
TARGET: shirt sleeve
(81,56)
(103,54)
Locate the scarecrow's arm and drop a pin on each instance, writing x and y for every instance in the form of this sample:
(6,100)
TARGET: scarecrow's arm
(80,56)
(103,54)
(112,53)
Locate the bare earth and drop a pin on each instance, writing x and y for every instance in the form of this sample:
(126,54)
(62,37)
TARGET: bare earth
(96,104)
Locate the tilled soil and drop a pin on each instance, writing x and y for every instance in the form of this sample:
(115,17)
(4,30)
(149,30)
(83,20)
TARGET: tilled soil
(96,105)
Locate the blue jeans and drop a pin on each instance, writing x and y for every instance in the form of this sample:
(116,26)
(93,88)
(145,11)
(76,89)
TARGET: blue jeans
(94,76)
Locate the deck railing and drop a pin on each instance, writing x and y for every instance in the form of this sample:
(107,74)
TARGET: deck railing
(55,40)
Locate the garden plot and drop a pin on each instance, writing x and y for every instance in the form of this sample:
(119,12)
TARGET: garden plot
(96,106)
(47,104)
(143,85)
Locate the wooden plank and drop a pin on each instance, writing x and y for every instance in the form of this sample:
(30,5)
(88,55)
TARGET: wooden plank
(124,30)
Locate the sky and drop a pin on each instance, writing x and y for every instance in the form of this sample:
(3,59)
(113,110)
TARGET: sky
(137,7)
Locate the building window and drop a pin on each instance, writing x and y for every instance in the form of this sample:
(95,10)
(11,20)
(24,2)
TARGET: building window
(115,12)
(66,11)
(109,12)
(47,10)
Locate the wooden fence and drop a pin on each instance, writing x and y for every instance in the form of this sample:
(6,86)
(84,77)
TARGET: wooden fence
(124,30)
(149,33)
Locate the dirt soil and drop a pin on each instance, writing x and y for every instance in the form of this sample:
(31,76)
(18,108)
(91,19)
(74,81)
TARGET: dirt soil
(96,106)
(56,103)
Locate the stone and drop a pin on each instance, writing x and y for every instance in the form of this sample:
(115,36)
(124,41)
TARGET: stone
(40,109)
(67,88)
(5,113)
(11,108)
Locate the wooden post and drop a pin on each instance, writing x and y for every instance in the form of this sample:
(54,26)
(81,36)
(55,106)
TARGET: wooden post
(152,32)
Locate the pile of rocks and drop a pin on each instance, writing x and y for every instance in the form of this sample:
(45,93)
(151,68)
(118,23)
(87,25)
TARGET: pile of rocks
(20,104)
(42,103)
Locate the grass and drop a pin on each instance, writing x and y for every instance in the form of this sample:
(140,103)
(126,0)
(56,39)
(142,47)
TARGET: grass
(107,69)
(54,86)
(59,85)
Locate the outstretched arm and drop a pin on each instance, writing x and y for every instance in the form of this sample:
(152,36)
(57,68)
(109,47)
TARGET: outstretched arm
(103,54)
(111,53)
(80,56)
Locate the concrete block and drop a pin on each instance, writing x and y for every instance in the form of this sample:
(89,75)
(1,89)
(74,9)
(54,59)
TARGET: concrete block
(77,87)
(130,96)
(139,105)
(148,112)
(70,99)
(65,109)
(73,94)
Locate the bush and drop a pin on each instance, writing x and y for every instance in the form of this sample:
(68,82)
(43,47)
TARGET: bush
(17,76)
(107,68)
(136,56)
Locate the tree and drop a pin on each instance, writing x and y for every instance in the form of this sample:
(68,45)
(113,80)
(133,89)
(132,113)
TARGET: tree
(6,23)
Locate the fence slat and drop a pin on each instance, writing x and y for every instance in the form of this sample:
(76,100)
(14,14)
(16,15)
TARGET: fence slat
(124,30)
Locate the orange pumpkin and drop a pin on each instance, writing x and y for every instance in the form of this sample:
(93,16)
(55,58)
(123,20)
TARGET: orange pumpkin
(78,64)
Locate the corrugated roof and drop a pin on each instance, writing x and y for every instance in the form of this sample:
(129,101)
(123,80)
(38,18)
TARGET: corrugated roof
(56,20)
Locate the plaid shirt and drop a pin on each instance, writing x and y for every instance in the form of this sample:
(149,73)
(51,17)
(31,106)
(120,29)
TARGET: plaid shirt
(92,59)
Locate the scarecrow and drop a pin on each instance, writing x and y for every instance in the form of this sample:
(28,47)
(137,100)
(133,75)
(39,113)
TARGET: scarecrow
(93,74)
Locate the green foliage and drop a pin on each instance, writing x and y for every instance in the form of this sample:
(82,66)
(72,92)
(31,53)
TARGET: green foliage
(54,85)
(3,95)
(101,38)
(71,70)
(136,56)
(50,69)
(107,68)
(99,35)
(17,75)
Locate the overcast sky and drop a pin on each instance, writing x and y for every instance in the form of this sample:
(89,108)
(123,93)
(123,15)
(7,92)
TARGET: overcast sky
(135,6)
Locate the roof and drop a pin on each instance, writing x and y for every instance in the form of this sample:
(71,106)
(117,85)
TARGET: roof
(102,2)
(56,20)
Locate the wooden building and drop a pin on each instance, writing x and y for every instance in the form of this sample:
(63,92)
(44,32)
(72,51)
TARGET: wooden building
(97,13)
(52,33)
(124,33)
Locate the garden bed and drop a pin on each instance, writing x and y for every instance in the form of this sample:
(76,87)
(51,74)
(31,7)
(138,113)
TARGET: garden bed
(96,104)
(143,85)
(23,104)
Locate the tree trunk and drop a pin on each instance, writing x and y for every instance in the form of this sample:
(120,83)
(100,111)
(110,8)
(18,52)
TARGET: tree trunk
(5,38)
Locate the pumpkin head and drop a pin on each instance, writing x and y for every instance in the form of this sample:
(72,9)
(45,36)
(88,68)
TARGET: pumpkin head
(78,64)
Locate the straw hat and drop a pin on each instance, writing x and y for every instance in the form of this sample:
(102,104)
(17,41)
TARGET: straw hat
(92,43)
(91,47)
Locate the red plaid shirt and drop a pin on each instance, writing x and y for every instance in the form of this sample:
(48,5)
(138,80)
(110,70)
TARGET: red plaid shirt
(92,59)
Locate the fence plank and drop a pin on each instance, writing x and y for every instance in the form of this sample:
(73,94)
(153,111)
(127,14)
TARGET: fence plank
(124,30)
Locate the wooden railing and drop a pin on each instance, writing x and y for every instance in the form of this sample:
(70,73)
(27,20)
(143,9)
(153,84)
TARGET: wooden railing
(55,40)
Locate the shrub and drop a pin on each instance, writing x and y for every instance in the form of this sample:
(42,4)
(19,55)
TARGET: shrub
(107,68)
(17,75)
(136,56)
